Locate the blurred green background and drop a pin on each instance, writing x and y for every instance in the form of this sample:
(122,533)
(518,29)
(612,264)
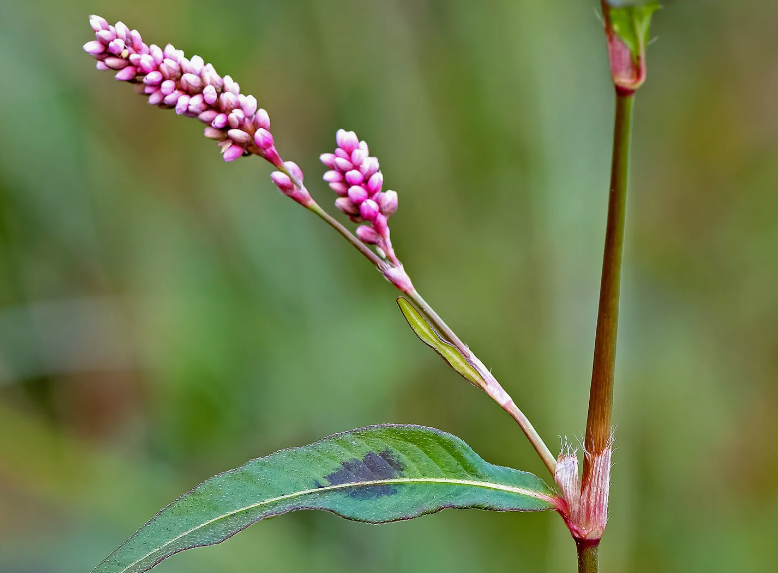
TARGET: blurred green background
(165,316)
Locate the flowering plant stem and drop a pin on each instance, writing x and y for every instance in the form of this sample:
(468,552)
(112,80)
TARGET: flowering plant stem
(598,424)
(492,387)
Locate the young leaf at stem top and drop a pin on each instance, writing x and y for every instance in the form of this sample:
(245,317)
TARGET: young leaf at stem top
(376,475)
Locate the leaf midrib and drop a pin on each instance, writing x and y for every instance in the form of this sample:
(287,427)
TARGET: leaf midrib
(483,484)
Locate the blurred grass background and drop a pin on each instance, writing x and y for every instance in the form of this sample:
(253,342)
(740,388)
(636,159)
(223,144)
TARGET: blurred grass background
(165,316)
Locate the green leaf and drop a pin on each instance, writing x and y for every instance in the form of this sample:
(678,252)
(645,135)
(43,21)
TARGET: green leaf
(631,22)
(447,351)
(376,475)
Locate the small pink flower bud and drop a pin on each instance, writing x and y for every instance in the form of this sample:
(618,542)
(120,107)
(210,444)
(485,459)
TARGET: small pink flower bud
(197,64)
(170,69)
(172,99)
(168,87)
(211,78)
(239,136)
(354,177)
(105,36)
(215,134)
(208,116)
(116,63)
(388,203)
(171,52)
(343,164)
(236,117)
(231,86)
(122,31)
(358,194)
(153,79)
(248,104)
(126,74)
(368,235)
(157,53)
(369,167)
(333,177)
(233,153)
(148,90)
(210,95)
(134,60)
(380,224)
(368,209)
(186,66)
(282,181)
(182,105)
(295,170)
(136,41)
(343,155)
(220,121)
(272,156)
(94,47)
(399,278)
(262,119)
(375,183)
(347,141)
(346,206)
(191,83)
(98,23)
(339,188)
(328,159)
(116,47)
(228,101)
(102,67)
(156,98)
(147,64)
(358,156)
(264,139)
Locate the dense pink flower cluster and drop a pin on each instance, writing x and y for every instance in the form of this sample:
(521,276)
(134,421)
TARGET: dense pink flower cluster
(190,86)
(355,176)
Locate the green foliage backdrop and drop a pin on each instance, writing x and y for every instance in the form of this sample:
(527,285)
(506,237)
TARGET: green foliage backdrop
(165,316)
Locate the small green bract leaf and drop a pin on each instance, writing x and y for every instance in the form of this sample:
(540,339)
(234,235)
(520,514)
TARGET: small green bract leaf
(631,22)
(431,338)
(376,475)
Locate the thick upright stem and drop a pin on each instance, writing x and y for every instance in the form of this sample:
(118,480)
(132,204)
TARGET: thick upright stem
(588,561)
(598,425)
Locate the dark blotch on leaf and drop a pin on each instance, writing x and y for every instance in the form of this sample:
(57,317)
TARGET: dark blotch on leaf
(373,467)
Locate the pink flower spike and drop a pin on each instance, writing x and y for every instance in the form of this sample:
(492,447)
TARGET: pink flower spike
(354,178)
(375,183)
(262,119)
(328,159)
(264,139)
(347,141)
(126,74)
(388,203)
(368,209)
(94,47)
(220,121)
(368,235)
(182,105)
(233,153)
(282,181)
(333,177)
(295,170)
(210,95)
(98,23)
(357,195)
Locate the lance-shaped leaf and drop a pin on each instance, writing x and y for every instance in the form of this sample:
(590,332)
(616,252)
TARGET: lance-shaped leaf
(447,351)
(376,475)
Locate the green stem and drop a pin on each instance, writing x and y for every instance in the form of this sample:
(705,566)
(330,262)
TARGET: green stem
(598,424)
(493,387)
(349,236)
(588,561)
